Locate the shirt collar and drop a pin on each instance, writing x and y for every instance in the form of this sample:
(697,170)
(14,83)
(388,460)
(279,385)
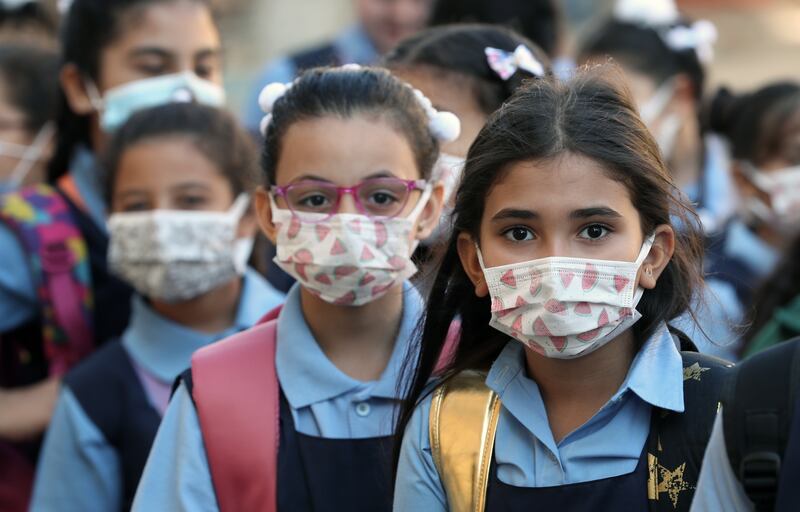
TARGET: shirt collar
(86,172)
(355,47)
(655,375)
(307,376)
(164,348)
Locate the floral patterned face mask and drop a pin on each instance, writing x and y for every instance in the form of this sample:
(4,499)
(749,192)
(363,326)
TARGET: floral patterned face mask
(176,255)
(347,259)
(565,308)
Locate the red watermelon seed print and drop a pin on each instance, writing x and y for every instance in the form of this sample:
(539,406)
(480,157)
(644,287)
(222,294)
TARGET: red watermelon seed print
(566,278)
(521,302)
(397,262)
(338,248)
(508,279)
(378,290)
(555,306)
(381,234)
(603,320)
(304,256)
(497,305)
(294,228)
(323,278)
(583,309)
(322,231)
(344,271)
(366,254)
(300,268)
(620,282)
(517,325)
(347,299)
(589,335)
(559,342)
(589,277)
(536,283)
(540,328)
(368,278)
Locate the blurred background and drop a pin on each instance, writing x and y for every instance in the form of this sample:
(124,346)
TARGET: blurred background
(759,40)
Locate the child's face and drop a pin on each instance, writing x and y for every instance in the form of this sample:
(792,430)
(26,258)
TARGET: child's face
(567,207)
(171,174)
(344,152)
(448,92)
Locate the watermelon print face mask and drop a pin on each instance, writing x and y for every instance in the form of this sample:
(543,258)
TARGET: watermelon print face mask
(346,259)
(565,308)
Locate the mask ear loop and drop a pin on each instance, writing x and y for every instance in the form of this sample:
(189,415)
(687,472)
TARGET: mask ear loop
(95,98)
(423,201)
(30,156)
(239,206)
(658,102)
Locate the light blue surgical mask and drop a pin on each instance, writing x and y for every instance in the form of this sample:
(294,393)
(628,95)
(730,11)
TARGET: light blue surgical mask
(120,103)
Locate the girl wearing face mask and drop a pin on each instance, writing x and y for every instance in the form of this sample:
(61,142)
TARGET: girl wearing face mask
(27,108)
(763,130)
(567,390)
(57,298)
(296,414)
(664,56)
(469,70)
(181,229)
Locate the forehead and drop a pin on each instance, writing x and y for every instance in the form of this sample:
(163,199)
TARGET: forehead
(344,151)
(556,187)
(180,25)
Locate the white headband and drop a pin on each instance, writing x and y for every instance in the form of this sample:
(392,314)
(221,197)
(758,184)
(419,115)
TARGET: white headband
(444,126)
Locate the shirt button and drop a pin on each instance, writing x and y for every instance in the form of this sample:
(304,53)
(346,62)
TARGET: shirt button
(363,409)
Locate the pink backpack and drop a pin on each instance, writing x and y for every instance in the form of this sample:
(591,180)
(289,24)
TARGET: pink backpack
(236,391)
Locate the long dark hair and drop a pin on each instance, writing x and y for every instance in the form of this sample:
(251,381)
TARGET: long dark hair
(29,80)
(591,115)
(344,93)
(88,28)
(755,123)
(460,50)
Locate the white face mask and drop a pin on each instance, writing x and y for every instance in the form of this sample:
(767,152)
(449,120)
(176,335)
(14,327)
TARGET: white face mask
(347,259)
(120,103)
(565,308)
(670,126)
(783,188)
(27,156)
(176,255)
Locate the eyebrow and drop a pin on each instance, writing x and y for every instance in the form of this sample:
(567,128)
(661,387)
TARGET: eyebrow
(147,51)
(598,211)
(191,185)
(313,177)
(515,213)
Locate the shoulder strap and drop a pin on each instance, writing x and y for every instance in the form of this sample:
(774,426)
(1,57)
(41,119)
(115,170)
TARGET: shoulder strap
(677,441)
(463,420)
(42,221)
(758,407)
(235,390)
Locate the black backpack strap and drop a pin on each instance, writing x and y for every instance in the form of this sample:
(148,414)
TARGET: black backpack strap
(758,408)
(677,441)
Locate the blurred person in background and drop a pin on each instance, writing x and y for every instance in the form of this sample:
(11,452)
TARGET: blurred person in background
(179,184)
(381,25)
(28,22)
(57,298)
(664,56)
(28,98)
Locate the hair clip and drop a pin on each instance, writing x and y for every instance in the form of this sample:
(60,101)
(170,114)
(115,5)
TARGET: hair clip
(506,64)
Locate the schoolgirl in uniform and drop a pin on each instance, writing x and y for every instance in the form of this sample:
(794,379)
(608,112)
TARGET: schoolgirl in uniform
(180,232)
(348,155)
(57,298)
(763,130)
(469,70)
(664,56)
(567,390)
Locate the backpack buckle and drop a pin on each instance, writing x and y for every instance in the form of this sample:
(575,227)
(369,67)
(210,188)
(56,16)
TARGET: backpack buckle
(759,473)
(56,258)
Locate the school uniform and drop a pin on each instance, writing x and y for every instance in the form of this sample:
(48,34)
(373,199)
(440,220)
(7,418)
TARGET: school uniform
(606,456)
(714,194)
(334,430)
(110,406)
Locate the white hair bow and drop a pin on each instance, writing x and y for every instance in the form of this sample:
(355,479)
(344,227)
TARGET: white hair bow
(505,64)
(700,37)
